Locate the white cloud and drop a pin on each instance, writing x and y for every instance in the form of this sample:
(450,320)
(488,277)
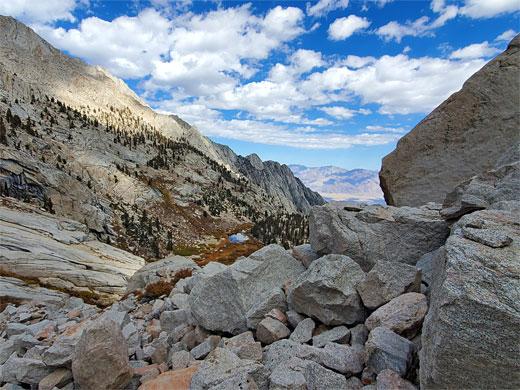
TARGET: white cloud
(39,11)
(506,36)
(421,26)
(341,113)
(323,7)
(489,8)
(343,28)
(476,50)
(399,84)
(128,46)
(382,129)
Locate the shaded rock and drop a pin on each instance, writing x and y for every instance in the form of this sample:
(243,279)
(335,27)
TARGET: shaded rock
(294,318)
(242,381)
(174,319)
(270,299)
(404,315)
(101,357)
(179,359)
(131,335)
(180,301)
(58,378)
(270,330)
(499,184)
(289,375)
(386,349)
(474,291)
(220,365)
(358,334)
(303,331)
(244,346)
(386,281)
(23,370)
(462,137)
(354,383)
(305,254)
(342,358)
(61,351)
(178,380)
(221,301)
(283,350)
(338,334)
(377,233)
(425,266)
(208,345)
(326,291)
(390,380)
(319,378)
(146,373)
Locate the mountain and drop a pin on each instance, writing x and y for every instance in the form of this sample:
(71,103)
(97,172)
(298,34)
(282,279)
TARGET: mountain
(462,137)
(338,184)
(77,142)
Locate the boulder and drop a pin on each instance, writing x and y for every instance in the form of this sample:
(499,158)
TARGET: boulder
(327,291)
(358,334)
(470,335)
(404,315)
(289,375)
(23,370)
(343,358)
(203,349)
(101,357)
(338,334)
(220,365)
(62,349)
(164,269)
(462,137)
(244,346)
(386,349)
(270,330)
(390,380)
(386,281)
(178,380)
(270,299)
(303,331)
(500,184)
(58,378)
(283,350)
(319,378)
(305,254)
(377,233)
(220,302)
(179,359)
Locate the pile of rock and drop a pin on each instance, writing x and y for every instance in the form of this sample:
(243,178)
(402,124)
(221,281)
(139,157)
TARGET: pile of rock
(264,322)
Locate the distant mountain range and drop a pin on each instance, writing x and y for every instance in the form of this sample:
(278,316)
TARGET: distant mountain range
(338,184)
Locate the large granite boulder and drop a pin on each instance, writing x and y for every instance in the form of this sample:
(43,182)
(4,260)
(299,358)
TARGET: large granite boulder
(470,335)
(164,269)
(386,281)
(492,187)
(377,233)
(101,357)
(327,291)
(462,137)
(221,301)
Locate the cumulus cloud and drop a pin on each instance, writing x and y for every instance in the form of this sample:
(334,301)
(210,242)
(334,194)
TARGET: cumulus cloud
(343,28)
(128,46)
(340,113)
(421,26)
(476,50)
(40,12)
(323,7)
(488,9)
(506,36)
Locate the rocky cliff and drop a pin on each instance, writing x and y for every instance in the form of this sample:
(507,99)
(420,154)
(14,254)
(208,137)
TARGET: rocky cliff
(462,137)
(94,91)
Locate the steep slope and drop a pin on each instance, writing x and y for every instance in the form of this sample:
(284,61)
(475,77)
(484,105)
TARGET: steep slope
(338,184)
(79,143)
(462,137)
(95,92)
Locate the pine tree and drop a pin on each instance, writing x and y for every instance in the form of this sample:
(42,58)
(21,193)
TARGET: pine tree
(3,132)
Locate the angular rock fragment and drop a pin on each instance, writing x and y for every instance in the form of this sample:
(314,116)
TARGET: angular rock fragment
(386,349)
(101,357)
(303,331)
(270,330)
(338,334)
(342,358)
(386,281)
(404,315)
(327,291)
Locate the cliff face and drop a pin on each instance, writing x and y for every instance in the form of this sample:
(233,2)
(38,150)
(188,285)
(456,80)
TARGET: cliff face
(29,66)
(462,137)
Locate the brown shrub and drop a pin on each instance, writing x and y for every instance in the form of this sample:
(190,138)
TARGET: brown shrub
(161,287)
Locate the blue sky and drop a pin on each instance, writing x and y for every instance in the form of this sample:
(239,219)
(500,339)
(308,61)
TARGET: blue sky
(328,82)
